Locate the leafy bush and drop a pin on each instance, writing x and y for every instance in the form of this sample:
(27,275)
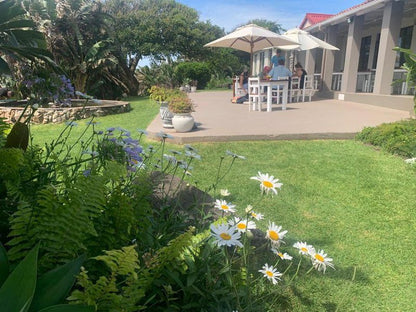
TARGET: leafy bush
(195,71)
(22,290)
(216,82)
(398,138)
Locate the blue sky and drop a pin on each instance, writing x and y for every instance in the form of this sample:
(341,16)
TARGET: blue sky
(289,13)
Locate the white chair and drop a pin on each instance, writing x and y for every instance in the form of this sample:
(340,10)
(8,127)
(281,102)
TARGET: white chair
(294,91)
(277,94)
(238,90)
(308,87)
(255,95)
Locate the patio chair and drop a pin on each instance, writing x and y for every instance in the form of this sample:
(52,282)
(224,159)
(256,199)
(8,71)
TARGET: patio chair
(294,91)
(255,95)
(308,87)
(238,90)
(277,94)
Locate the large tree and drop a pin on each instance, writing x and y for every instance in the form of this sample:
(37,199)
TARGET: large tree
(80,38)
(159,29)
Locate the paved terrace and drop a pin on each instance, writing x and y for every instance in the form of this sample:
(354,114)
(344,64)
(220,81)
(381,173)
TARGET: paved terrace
(219,120)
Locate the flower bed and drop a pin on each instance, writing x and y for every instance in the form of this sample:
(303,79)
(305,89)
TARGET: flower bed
(61,114)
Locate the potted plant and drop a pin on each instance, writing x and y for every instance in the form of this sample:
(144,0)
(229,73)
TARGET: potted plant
(161,95)
(181,107)
(194,83)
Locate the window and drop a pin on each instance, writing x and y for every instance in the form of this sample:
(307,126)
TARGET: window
(405,41)
(376,51)
(364,53)
(261,61)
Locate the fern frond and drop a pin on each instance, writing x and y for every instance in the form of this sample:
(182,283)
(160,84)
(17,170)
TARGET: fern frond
(121,262)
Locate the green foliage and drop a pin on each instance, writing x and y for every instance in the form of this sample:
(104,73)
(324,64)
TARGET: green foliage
(4,264)
(180,104)
(3,128)
(19,38)
(397,138)
(53,286)
(410,66)
(23,291)
(196,71)
(17,291)
(107,294)
(18,136)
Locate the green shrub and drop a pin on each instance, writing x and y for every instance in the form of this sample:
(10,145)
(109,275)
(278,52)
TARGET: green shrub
(398,138)
(195,71)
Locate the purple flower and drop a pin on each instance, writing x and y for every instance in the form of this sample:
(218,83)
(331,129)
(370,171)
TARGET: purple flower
(87,173)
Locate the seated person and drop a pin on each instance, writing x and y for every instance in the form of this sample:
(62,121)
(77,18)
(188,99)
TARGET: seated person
(5,93)
(265,73)
(244,79)
(280,71)
(300,72)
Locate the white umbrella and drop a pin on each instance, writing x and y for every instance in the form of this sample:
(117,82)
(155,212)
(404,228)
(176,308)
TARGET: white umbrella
(251,38)
(305,41)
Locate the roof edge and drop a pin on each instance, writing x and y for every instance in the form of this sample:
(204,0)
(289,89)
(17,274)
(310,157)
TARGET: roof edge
(343,15)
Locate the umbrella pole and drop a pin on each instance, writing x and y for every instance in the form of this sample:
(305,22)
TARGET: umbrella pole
(251,59)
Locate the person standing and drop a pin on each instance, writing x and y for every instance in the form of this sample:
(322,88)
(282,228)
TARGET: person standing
(276,58)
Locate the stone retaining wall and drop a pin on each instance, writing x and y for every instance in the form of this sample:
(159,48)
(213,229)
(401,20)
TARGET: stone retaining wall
(56,115)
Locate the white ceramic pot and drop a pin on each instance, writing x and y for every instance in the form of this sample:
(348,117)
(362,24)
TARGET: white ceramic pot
(165,115)
(193,89)
(183,122)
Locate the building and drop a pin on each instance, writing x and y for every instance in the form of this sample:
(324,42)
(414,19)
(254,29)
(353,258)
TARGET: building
(366,69)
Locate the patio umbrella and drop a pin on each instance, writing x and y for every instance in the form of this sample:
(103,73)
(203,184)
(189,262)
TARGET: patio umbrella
(305,42)
(251,38)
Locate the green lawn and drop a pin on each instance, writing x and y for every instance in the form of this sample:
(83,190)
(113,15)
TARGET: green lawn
(356,203)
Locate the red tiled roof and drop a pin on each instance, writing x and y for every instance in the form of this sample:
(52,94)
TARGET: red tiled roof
(314,18)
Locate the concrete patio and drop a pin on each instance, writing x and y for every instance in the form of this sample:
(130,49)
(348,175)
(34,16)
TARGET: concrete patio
(219,120)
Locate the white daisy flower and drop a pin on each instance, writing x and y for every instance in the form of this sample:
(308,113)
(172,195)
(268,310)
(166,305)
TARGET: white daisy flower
(226,235)
(283,256)
(267,183)
(320,260)
(224,192)
(257,216)
(242,225)
(275,233)
(271,273)
(304,248)
(224,206)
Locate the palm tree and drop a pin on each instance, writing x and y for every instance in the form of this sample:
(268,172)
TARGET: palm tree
(19,39)
(79,41)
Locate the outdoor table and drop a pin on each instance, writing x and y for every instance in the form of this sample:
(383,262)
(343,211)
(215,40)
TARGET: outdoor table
(275,83)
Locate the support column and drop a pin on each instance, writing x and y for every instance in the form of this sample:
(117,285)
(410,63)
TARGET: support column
(352,55)
(310,61)
(328,60)
(413,44)
(389,37)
